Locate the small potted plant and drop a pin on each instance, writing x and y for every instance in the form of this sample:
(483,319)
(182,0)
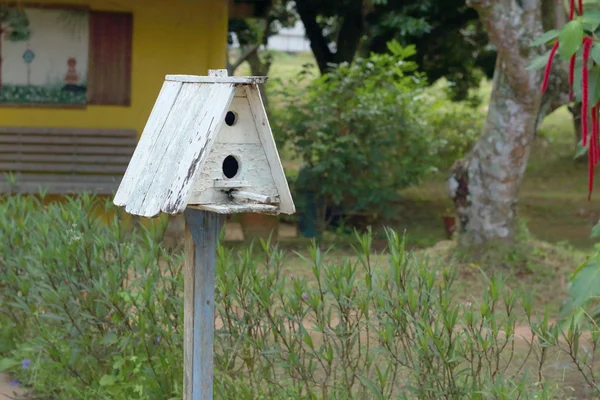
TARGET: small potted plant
(256,226)
(449,218)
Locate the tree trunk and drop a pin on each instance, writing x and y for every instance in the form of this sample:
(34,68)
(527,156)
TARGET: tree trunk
(348,40)
(260,67)
(485,186)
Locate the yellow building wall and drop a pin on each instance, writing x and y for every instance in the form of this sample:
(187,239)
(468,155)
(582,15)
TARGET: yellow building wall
(169,37)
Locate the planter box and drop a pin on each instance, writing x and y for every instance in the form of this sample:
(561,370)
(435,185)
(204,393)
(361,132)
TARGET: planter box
(450,226)
(256,226)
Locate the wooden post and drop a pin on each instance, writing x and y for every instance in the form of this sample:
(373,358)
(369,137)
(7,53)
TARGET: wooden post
(201,235)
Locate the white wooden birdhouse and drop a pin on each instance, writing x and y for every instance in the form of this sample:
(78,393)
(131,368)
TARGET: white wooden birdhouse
(207,145)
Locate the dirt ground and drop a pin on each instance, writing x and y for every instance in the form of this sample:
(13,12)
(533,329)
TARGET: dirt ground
(8,391)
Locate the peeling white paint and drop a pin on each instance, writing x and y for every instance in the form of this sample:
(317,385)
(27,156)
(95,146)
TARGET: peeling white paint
(254,169)
(190,132)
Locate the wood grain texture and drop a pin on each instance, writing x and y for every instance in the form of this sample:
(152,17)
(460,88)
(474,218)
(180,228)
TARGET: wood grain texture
(201,137)
(179,161)
(22,130)
(202,232)
(261,120)
(66,158)
(68,140)
(71,168)
(254,169)
(49,150)
(244,80)
(52,187)
(217,72)
(238,208)
(244,196)
(110,58)
(64,161)
(163,170)
(48,176)
(158,117)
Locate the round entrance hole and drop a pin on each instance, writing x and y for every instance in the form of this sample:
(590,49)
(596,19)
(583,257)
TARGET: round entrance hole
(230,118)
(231,167)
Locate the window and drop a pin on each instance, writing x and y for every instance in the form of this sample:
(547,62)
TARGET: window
(64,56)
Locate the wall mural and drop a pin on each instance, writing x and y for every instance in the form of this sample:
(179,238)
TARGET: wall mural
(44,56)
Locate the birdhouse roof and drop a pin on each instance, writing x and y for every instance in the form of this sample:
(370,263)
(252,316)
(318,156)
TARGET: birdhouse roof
(178,137)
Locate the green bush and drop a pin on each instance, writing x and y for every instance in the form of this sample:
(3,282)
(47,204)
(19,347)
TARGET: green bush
(360,133)
(368,129)
(90,311)
(95,311)
(455,124)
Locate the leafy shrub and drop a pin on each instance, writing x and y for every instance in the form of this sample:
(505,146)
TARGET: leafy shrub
(97,312)
(584,289)
(359,131)
(19,94)
(90,311)
(455,124)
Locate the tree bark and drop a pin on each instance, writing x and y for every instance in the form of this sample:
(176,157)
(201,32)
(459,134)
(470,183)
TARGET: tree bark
(260,67)
(348,40)
(485,186)
(246,51)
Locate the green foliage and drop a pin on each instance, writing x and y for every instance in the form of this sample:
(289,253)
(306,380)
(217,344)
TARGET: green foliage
(449,38)
(92,311)
(359,131)
(453,126)
(570,38)
(14,23)
(19,94)
(97,311)
(357,329)
(584,287)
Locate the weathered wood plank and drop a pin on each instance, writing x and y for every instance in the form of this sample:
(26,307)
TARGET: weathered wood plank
(243,80)
(153,179)
(66,149)
(22,130)
(65,158)
(180,151)
(201,139)
(152,130)
(59,187)
(202,232)
(241,195)
(237,208)
(71,140)
(241,131)
(261,120)
(63,178)
(73,168)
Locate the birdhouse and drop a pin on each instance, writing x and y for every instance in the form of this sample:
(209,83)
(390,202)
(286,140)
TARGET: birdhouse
(207,145)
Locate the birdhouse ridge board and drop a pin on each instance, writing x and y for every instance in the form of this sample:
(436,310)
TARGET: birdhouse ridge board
(208,145)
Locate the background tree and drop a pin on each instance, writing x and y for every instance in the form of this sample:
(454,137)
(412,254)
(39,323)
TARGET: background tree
(485,185)
(449,38)
(253,36)
(14,27)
